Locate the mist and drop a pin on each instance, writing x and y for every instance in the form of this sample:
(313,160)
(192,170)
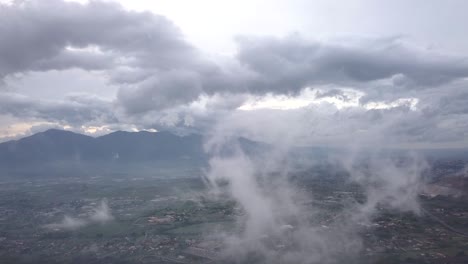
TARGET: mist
(101,214)
(279,222)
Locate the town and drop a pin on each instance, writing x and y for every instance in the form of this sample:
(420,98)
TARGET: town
(147,219)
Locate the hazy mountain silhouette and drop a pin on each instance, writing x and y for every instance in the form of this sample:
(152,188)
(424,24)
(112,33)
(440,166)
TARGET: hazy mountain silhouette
(59,145)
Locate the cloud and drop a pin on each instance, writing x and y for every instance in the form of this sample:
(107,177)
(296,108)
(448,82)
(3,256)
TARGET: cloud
(164,82)
(384,73)
(101,214)
(162,91)
(74,110)
(130,47)
(36,35)
(68,223)
(289,64)
(280,223)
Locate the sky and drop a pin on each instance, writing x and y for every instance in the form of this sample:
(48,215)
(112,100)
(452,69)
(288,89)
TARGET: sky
(323,72)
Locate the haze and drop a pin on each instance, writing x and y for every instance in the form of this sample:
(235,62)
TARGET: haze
(233,131)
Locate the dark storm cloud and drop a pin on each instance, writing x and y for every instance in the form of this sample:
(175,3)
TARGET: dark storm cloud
(156,68)
(67,59)
(449,101)
(171,88)
(142,49)
(333,93)
(75,110)
(289,64)
(34,35)
(162,91)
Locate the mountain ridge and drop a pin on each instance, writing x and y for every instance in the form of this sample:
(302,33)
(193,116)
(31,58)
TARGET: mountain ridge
(58,145)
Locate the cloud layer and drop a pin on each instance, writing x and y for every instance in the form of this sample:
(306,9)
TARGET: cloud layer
(413,92)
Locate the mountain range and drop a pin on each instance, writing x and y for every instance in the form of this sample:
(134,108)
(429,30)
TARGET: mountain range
(65,148)
(59,145)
